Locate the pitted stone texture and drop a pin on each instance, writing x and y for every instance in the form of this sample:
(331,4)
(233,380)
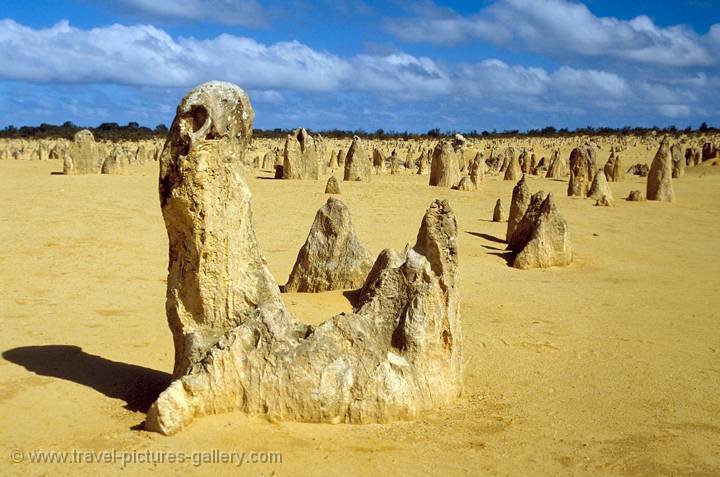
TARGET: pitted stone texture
(398,353)
(332,258)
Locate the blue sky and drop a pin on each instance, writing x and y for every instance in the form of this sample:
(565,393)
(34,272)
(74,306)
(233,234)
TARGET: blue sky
(401,65)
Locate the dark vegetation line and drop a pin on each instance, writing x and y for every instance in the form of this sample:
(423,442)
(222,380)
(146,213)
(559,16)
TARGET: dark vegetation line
(133,132)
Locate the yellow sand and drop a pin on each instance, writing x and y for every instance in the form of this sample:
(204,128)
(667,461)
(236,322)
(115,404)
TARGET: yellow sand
(608,367)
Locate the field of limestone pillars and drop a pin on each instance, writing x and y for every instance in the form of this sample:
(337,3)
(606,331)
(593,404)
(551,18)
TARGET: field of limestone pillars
(399,353)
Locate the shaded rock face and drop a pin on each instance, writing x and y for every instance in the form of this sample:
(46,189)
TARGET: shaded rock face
(639,169)
(83,155)
(518,205)
(358,166)
(636,196)
(581,172)
(379,162)
(332,258)
(618,172)
(300,159)
(332,186)
(659,179)
(398,354)
(444,169)
(542,238)
(710,151)
(693,156)
(498,213)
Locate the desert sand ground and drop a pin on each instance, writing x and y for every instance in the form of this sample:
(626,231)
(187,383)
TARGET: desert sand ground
(610,366)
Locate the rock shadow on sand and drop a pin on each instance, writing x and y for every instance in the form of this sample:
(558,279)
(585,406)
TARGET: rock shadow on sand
(487,237)
(136,385)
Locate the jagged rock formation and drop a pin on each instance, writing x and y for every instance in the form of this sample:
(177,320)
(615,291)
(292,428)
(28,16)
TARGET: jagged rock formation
(237,347)
(387,260)
(332,186)
(300,159)
(332,258)
(444,169)
(542,238)
(206,211)
(659,179)
(83,156)
(518,205)
(358,166)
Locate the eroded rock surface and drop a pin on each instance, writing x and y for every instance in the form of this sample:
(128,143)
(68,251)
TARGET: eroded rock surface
(300,158)
(542,238)
(332,258)
(518,205)
(659,179)
(444,169)
(237,347)
(83,155)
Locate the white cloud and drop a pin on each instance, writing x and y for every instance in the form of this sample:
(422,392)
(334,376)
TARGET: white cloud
(143,55)
(492,77)
(399,73)
(593,83)
(561,27)
(390,84)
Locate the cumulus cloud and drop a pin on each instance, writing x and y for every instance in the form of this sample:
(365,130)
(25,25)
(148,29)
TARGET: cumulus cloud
(560,27)
(344,91)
